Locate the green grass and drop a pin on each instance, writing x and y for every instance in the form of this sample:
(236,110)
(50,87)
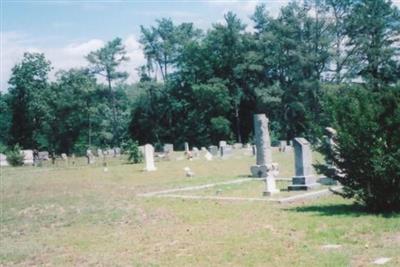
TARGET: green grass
(83,216)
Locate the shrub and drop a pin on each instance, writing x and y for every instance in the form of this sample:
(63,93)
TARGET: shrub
(134,154)
(15,157)
(367,152)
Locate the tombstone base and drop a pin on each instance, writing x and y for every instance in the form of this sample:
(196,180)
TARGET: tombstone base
(150,169)
(270,186)
(259,171)
(303,183)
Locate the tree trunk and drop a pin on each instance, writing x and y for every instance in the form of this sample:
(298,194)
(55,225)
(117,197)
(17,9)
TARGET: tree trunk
(238,135)
(114,111)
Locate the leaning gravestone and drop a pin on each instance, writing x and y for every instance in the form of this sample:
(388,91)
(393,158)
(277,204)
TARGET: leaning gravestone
(149,158)
(304,178)
(3,160)
(28,156)
(263,167)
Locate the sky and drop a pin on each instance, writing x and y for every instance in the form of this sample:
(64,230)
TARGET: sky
(67,30)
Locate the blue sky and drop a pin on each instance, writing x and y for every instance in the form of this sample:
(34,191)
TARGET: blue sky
(66,31)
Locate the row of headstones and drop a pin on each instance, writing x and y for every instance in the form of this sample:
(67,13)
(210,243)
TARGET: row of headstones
(32,157)
(304,176)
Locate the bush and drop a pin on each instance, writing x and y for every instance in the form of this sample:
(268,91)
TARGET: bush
(134,154)
(367,152)
(15,157)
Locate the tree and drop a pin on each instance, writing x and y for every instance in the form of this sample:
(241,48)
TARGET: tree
(366,157)
(105,62)
(28,90)
(373,31)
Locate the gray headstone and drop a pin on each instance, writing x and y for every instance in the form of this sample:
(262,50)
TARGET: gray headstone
(304,172)
(43,155)
(90,156)
(149,158)
(225,151)
(237,145)
(213,150)
(263,146)
(168,148)
(282,145)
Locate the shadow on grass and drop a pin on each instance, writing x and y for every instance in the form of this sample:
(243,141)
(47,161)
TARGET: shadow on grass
(349,210)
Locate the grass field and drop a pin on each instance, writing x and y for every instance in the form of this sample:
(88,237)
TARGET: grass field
(83,216)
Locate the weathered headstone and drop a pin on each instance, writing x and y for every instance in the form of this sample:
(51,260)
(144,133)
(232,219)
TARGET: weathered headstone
(43,155)
(237,145)
(28,156)
(208,156)
(225,151)
(203,149)
(222,143)
(263,167)
(187,147)
(3,160)
(195,152)
(99,152)
(149,158)
(90,157)
(282,145)
(263,146)
(213,150)
(168,148)
(304,178)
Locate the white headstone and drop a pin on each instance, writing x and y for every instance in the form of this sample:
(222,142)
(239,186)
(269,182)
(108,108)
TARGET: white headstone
(28,156)
(149,158)
(3,160)
(186,147)
(208,156)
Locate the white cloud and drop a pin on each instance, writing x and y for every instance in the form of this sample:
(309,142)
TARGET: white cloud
(72,55)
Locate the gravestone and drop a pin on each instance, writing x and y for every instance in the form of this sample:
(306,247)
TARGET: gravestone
(225,151)
(195,152)
(43,155)
(3,160)
(28,156)
(263,167)
(304,178)
(99,152)
(237,145)
(168,148)
(208,156)
(203,149)
(90,157)
(222,143)
(282,145)
(149,158)
(186,147)
(213,150)
(263,146)
(65,158)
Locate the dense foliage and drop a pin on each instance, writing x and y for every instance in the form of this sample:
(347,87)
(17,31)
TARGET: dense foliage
(15,157)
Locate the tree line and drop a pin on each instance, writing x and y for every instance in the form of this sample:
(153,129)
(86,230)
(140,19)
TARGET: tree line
(201,87)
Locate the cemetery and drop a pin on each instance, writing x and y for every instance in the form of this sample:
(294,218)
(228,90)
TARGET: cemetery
(227,210)
(200,133)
